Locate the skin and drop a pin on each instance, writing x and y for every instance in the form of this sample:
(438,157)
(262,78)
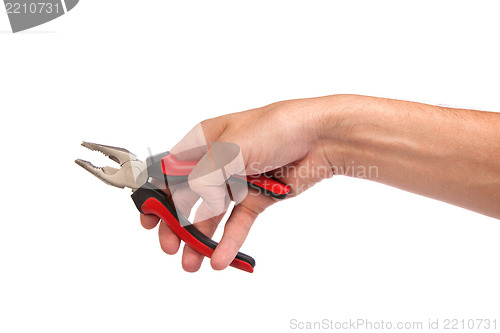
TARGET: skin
(452,155)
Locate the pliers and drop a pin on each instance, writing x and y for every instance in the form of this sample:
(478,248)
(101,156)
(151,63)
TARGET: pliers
(150,199)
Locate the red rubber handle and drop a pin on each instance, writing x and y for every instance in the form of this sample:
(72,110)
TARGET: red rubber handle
(150,200)
(171,166)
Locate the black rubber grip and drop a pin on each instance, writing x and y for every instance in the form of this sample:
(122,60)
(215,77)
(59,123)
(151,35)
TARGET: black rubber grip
(154,165)
(148,191)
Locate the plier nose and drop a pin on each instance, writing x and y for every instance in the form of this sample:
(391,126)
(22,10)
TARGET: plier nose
(132,172)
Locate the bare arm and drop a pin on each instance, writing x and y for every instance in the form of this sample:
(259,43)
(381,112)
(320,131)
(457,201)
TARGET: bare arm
(452,155)
(447,154)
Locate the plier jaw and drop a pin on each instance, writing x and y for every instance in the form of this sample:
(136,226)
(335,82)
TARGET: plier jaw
(132,172)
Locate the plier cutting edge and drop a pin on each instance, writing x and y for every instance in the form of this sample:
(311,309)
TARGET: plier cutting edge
(150,199)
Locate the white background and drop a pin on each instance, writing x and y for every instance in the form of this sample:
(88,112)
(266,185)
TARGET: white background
(138,74)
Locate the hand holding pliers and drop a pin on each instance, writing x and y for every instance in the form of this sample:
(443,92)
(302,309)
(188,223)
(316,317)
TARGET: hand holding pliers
(150,199)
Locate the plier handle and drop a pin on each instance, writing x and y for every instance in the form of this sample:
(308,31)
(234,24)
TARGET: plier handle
(150,199)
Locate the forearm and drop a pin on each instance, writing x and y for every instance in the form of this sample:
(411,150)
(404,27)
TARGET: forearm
(452,155)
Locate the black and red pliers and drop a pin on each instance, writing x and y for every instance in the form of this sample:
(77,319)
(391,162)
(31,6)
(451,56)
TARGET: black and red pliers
(150,199)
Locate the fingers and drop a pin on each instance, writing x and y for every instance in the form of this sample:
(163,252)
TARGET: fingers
(208,178)
(235,233)
(169,242)
(237,228)
(184,199)
(216,164)
(149,221)
(191,260)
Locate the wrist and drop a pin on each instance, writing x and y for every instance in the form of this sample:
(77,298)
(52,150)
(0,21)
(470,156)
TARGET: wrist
(319,118)
(340,115)
(341,119)
(325,125)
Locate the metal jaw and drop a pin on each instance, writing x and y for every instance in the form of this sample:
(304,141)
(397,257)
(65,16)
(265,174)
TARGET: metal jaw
(132,172)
